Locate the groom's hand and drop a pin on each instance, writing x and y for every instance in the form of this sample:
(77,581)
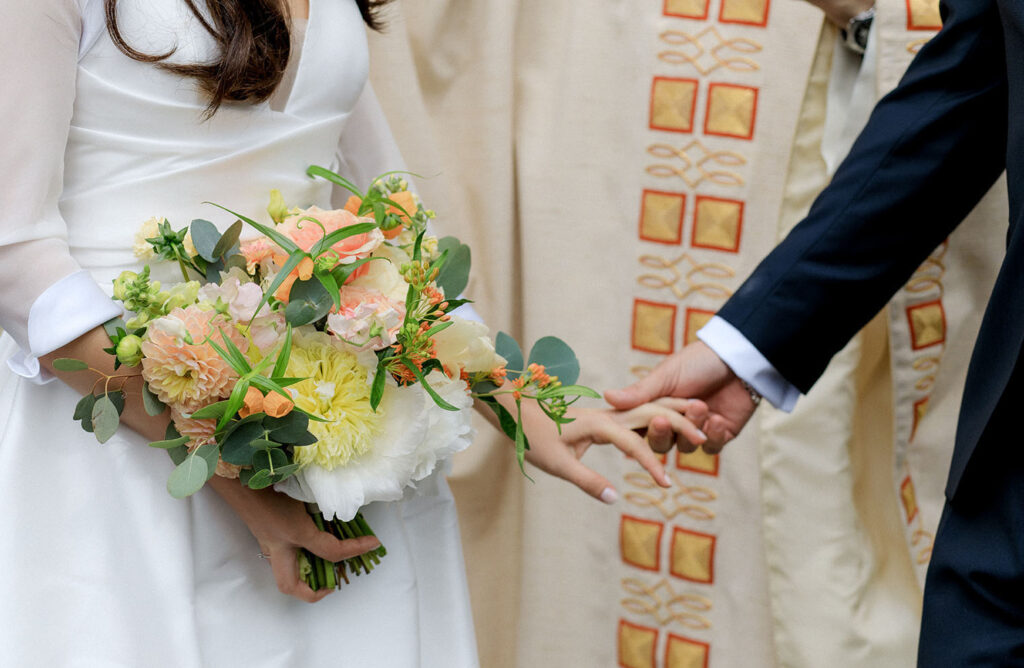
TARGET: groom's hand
(694,372)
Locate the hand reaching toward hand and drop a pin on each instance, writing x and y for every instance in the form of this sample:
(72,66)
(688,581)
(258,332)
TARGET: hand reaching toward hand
(697,372)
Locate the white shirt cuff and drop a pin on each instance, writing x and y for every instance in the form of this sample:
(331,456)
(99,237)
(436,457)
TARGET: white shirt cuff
(748,363)
(66,310)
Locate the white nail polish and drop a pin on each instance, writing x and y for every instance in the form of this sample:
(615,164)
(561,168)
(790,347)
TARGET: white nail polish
(666,480)
(609,495)
(702,434)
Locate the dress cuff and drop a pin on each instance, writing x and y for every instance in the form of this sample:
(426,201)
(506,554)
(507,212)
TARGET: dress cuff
(66,310)
(748,363)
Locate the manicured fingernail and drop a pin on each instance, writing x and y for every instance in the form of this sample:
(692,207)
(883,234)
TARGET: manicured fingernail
(665,480)
(609,495)
(702,434)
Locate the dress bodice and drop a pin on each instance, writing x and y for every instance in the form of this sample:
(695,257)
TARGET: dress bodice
(139,145)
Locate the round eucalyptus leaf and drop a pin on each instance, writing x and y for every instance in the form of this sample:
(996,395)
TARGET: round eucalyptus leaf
(308,302)
(557,358)
(105,418)
(150,401)
(507,347)
(205,237)
(188,477)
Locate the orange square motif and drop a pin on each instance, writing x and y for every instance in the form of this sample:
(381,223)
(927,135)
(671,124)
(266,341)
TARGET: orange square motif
(923,15)
(717,223)
(698,462)
(687,9)
(661,217)
(747,12)
(683,652)
(640,542)
(637,645)
(654,326)
(909,499)
(920,408)
(695,319)
(693,556)
(673,102)
(927,324)
(731,111)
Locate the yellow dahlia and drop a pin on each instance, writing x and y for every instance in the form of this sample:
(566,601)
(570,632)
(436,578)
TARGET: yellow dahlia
(188,375)
(337,389)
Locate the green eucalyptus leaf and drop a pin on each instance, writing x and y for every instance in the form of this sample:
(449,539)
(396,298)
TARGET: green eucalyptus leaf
(211,453)
(261,479)
(188,477)
(557,357)
(83,410)
(178,454)
(150,402)
(282,472)
(263,444)
(288,428)
(117,398)
(505,419)
(105,418)
(69,364)
(212,412)
(228,240)
(308,302)
(454,275)
(205,237)
(507,347)
(171,444)
(235,446)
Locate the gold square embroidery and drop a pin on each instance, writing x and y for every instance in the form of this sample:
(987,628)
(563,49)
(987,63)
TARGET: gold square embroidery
(654,327)
(636,645)
(661,217)
(693,556)
(717,223)
(909,499)
(687,9)
(695,319)
(640,542)
(920,409)
(672,104)
(748,12)
(698,462)
(731,111)
(923,15)
(927,324)
(683,652)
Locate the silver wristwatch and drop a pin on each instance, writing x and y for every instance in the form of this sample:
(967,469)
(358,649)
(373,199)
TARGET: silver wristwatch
(855,34)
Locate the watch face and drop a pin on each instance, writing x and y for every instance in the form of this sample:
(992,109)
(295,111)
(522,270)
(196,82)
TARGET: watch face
(860,33)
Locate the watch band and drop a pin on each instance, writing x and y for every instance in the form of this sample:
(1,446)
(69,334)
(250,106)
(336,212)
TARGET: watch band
(755,396)
(855,34)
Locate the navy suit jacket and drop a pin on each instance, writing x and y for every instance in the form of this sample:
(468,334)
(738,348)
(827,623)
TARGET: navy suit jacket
(930,151)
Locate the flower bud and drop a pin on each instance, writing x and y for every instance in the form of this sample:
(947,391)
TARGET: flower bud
(129,350)
(122,284)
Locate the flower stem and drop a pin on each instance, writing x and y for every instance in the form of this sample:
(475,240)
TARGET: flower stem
(323,574)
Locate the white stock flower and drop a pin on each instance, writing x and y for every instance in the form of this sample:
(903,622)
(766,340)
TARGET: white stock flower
(467,345)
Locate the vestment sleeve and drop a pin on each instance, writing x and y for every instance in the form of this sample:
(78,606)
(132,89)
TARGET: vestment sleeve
(46,300)
(929,152)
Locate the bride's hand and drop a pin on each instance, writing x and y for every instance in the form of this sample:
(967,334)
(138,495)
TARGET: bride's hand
(560,454)
(281,526)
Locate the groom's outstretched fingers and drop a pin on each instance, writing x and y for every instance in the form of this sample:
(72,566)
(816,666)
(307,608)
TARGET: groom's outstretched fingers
(719,433)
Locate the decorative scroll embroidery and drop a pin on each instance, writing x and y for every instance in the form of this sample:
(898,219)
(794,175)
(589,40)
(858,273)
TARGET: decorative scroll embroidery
(690,279)
(680,499)
(699,164)
(661,601)
(708,50)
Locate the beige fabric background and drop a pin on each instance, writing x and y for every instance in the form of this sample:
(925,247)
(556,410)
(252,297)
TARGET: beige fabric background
(540,126)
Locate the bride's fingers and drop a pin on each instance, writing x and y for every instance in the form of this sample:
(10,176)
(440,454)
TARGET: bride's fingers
(590,481)
(285,565)
(328,547)
(634,445)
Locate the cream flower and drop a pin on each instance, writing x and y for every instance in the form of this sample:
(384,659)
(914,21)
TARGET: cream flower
(466,345)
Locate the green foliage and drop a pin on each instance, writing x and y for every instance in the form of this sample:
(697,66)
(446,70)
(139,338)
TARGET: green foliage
(235,447)
(170,444)
(69,364)
(377,391)
(105,417)
(507,347)
(454,275)
(212,412)
(205,237)
(288,429)
(228,240)
(150,402)
(557,358)
(308,302)
(189,476)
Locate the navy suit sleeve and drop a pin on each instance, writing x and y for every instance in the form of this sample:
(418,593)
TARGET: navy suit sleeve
(929,152)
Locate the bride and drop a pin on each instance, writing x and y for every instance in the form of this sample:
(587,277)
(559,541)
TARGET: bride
(116,111)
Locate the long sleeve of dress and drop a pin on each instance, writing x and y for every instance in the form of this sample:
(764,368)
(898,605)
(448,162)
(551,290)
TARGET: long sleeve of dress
(46,300)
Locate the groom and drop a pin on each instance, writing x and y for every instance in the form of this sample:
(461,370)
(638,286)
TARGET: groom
(932,148)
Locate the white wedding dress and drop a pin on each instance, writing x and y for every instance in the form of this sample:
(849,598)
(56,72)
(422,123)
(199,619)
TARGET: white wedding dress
(99,566)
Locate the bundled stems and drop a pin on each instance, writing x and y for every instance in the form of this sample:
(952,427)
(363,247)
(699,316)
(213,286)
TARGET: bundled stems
(319,573)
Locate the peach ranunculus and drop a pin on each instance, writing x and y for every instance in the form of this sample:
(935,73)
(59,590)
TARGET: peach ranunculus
(305,232)
(202,432)
(188,375)
(367,319)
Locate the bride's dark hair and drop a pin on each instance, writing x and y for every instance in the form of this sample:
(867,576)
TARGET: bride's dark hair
(254,41)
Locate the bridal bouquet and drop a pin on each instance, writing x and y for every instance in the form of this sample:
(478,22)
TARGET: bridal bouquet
(323,357)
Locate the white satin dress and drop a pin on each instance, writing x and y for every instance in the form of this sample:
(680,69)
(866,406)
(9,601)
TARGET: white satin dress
(99,566)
